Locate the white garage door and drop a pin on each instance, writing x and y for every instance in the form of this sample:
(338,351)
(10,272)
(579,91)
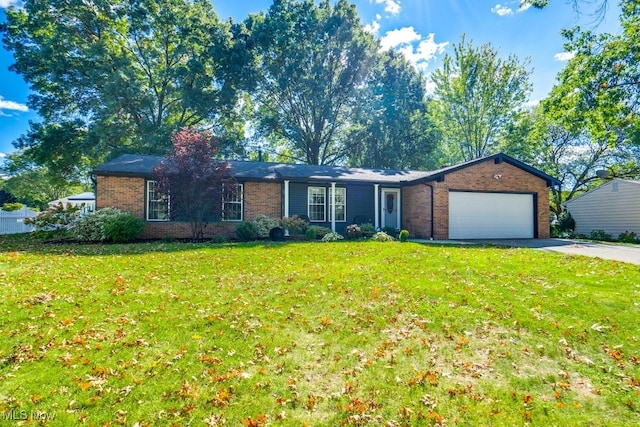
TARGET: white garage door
(490,215)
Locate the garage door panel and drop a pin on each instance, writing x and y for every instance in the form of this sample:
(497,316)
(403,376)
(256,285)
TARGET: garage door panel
(490,215)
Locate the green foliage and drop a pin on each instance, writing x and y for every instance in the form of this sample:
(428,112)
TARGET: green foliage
(353,231)
(264,224)
(311,60)
(477,94)
(108,224)
(295,224)
(390,231)
(628,237)
(219,240)
(55,221)
(367,229)
(404,235)
(246,231)
(381,236)
(10,207)
(310,234)
(320,230)
(332,237)
(566,221)
(600,235)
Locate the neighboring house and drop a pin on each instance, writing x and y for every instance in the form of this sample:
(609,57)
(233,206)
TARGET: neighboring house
(85,201)
(613,207)
(492,197)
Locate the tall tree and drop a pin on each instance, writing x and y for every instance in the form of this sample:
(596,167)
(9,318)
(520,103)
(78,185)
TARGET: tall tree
(391,127)
(477,94)
(120,75)
(192,179)
(311,61)
(599,89)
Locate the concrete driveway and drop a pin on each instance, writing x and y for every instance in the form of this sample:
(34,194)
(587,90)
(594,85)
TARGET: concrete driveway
(617,252)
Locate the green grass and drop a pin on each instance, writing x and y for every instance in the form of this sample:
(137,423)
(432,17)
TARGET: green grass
(347,333)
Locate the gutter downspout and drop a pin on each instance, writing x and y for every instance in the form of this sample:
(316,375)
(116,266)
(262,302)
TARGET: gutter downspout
(432,209)
(376,204)
(286,203)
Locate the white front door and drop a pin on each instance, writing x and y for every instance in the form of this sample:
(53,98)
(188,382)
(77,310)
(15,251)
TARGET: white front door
(390,203)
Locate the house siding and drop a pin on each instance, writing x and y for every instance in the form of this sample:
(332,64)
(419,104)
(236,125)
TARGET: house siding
(605,209)
(479,177)
(129,194)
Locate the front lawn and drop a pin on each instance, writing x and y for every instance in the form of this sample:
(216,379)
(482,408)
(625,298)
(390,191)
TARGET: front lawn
(330,334)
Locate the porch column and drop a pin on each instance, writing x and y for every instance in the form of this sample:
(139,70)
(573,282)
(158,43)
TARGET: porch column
(333,206)
(376,205)
(286,203)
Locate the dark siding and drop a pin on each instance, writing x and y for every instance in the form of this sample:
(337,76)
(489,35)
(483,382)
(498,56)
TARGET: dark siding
(360,202)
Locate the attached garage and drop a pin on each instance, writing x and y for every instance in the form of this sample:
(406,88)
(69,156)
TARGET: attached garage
(482,215)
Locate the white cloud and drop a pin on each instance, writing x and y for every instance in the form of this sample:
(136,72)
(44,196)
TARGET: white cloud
(2,155)
(374,27)
(11,105)
(401,36)
(404,41)
(6,3)
(502,10)
(392,7)
(564,56)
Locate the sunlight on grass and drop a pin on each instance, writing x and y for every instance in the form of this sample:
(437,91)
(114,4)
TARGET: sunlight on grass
(348,333)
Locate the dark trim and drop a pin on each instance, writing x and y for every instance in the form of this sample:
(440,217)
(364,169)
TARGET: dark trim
(432,210)
(494,192)
(535,215)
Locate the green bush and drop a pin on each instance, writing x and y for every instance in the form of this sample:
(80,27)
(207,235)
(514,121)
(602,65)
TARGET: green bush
(123,227)
(10,207)
(381,236)
(55,221)
(295,224)
(353,231)
(367,229)
(320,231)
(108,224)
(566,222)
(628,237)
(310,234)
(264,224)
(390,231)
(404,235)
(219,240)
(246,231)
(600,235)
(332,237)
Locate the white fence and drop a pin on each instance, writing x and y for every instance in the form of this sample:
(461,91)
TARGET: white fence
(12,222)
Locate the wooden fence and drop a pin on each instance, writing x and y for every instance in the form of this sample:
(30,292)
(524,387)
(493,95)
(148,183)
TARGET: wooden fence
(12,222)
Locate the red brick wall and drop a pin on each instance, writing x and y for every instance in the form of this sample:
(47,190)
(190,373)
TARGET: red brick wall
(128,194)
(479,177)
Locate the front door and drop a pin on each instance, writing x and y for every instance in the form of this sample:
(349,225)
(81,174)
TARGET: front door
(390,208)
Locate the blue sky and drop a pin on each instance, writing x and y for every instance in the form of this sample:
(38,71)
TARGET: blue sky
(423,29)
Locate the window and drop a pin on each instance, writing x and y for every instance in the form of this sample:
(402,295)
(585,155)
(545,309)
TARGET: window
(316,204)
(341,205)
(157,204)
(232,202)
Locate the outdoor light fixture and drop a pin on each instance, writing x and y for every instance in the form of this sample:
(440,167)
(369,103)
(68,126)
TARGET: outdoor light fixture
(497,176)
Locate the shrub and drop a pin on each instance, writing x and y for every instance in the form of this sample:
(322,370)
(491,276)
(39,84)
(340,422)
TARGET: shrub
(390,231)
(600,235)
(332,237)
(320,231)
(566,222)
(264,224)
(353,231)
(404,235)
(246,231)
(310,234)
(10,207)
(628,237)
(295,224)
(367,229)
(219,240)
(108,224)
(123,227)
(55,221)
(381,236)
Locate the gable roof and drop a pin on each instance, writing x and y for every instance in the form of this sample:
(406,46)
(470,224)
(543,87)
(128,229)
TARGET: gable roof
(600,188)
(137,165)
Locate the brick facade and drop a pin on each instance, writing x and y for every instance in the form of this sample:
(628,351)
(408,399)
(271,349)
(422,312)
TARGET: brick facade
(128,194)
(478,177)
